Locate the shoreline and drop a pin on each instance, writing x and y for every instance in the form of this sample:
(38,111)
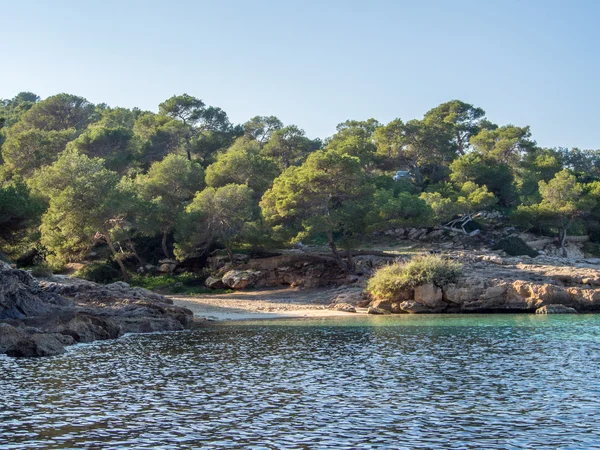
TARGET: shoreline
(286,303)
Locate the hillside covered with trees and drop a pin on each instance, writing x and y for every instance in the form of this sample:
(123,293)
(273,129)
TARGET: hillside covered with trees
(75,176)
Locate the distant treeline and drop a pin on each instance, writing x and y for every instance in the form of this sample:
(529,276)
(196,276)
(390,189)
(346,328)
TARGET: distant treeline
(74,174)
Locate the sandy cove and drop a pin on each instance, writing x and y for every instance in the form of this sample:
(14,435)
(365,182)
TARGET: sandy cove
(272,303)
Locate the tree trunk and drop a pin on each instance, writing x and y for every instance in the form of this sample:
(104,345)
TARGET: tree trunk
(563,240)
(229,252)
(115,254)
(336,255)
(134,251)
(164,243)
(350,261)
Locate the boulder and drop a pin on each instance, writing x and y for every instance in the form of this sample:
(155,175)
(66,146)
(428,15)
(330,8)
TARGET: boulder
(214,283)
(378,311)
(40,344)
(556,309)
(41,317)
(381,304)
(9,336)
(413,307)
(345,307)
(429,295)
(167,265)
(240,279)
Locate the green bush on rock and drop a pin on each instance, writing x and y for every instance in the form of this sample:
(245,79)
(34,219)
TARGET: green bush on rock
(389,281)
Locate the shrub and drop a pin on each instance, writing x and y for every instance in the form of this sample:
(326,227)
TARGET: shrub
(41,271)
(515,246)
(103,273)
(389,281)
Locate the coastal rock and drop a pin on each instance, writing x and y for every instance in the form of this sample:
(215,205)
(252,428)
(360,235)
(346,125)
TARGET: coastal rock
(240,279)
(412,307)
(38,318)
(10,336)
(167,265)
(429,295)
(345,307)
(377,311)
(556,309)
(214,283)
(381,304)
(40,344)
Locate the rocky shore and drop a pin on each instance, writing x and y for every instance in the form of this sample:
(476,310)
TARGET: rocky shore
(492,284)
(40,318)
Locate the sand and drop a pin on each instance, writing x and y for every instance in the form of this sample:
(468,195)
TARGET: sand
(259,304)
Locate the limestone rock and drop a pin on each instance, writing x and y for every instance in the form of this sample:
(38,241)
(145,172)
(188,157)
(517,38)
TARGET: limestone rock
(556,309)
(240,279)
(214,283)
(346,307)
(167,265)
(413,307)
(378,311)
(429,295)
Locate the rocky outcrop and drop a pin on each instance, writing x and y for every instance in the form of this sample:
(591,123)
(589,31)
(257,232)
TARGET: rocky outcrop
(555,309)
(294,270)
(41,318)
(494,284)
(240,279)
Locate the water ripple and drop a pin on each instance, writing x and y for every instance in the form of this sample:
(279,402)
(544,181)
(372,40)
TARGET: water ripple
(493,382)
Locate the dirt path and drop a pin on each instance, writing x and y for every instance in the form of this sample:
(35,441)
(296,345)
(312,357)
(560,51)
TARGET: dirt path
(259,304)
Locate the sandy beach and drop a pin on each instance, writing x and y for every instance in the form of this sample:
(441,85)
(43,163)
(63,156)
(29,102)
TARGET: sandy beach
(259,304)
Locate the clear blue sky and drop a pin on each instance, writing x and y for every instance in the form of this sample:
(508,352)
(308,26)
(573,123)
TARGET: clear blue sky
(318,63)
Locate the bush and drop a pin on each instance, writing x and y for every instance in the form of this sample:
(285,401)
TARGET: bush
(515,246)
(185,283)
(103,273)
(389,281)
(41,271)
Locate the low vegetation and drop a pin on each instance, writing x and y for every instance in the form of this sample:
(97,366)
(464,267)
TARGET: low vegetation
(186,283)
(389,281)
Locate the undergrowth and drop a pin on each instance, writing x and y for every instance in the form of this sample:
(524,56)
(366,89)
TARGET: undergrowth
(389,281)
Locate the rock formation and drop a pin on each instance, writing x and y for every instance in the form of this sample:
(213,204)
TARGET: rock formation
(41,318)
(491,283)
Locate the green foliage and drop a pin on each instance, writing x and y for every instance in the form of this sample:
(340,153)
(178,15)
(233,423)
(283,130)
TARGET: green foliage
(505,144)
(220,215)
(563,201)
(20,212)
(355,138)
(289,147)
(443,208)
(57,113)
(185,283)
(41,272)
(389,281)
(485,171)
(30,149)
(242,164)
(99,272)
(403,210)
(114,144)
(261,128)
(515,246)
(160,196)
(317,197)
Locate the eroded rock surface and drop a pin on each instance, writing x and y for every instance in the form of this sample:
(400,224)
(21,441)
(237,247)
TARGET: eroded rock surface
(517,284)
(39,318)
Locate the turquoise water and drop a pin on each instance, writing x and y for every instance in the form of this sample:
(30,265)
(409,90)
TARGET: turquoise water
(418,382)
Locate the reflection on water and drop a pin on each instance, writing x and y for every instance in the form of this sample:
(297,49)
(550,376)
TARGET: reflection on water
(365,382)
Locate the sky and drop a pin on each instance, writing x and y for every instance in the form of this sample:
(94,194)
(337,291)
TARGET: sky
(318,63)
